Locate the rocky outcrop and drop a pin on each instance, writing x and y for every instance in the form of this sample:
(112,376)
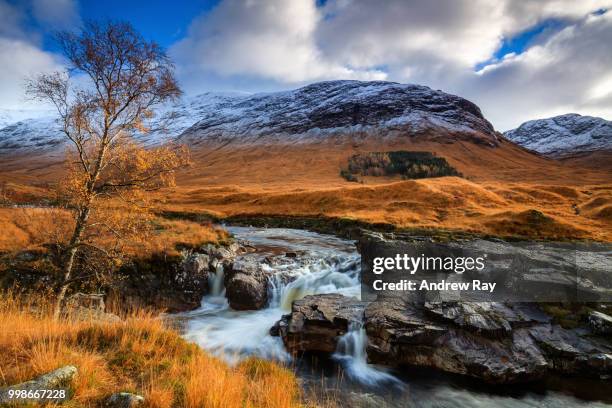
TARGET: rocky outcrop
(600,323)
(316,322)
(124,400)
(490,341)
(459,339)
(173,283)
(246,285)
(55,380)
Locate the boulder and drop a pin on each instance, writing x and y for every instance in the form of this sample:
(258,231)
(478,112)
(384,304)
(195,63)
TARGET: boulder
(246,285)
(55,380)
(600,323)
(92,301)
(458,339)
(89,306)
(316,322)
(124,400)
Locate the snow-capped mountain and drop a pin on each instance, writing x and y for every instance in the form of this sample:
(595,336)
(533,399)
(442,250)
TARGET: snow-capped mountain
(564,135)
(333,107)
(301,115)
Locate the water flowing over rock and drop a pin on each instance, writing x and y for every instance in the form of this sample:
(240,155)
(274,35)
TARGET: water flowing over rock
(176,283)
(601,323)
(316,321)
(493,342)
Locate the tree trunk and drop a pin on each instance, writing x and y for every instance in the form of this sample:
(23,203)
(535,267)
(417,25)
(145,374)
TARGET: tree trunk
(69,263)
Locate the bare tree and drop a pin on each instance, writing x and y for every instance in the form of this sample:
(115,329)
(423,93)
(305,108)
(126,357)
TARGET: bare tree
(114,81)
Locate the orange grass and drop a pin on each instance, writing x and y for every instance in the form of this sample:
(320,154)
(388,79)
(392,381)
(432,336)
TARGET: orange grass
(138,355)
(553,211)
(30,228)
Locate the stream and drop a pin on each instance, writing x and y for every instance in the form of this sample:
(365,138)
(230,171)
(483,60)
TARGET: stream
(327,264)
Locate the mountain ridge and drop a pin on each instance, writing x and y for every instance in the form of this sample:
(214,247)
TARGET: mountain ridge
(564,135)
(300,115)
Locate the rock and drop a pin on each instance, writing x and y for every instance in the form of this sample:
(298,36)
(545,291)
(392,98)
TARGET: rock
(489,319)
(570,353)
(57,379)
(85,314)
(363,400)
(601,323)
(246,285)
(124,400)
(401,333)
(87,307)
(316,322)
(92,301)
(175,284)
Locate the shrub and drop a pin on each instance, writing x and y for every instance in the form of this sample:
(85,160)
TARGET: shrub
(409,165)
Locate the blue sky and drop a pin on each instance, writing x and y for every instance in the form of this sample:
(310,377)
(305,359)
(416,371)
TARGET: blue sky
(517,60)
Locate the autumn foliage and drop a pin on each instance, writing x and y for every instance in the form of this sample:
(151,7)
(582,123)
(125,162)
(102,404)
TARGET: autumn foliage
(138,354)
(127,78)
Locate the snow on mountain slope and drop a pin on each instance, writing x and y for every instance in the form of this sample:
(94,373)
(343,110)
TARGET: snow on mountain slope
(305,114)
(564,135)
(333,107)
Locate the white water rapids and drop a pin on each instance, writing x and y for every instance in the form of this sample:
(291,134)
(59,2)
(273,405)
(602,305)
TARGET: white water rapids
(323,264)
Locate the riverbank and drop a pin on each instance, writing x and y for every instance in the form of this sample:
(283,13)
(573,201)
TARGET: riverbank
(137,354)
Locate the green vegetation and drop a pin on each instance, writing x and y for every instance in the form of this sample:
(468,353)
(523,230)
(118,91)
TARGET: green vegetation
(409,165)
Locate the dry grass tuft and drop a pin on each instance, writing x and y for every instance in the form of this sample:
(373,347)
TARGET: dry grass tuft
(138,355)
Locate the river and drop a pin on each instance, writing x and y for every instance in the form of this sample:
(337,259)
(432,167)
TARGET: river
(327,264)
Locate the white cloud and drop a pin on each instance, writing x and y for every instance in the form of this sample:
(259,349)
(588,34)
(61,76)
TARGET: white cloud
(56,14)
(20,57)
(435,43)
(570,72)
(272,39)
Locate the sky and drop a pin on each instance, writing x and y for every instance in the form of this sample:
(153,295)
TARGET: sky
(516,59)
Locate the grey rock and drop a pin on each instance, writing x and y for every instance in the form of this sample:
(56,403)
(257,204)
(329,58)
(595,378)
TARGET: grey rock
(246,285)
(316,322)
(601,323)
(57,379)
(92,301)
(402,333)
(124,400)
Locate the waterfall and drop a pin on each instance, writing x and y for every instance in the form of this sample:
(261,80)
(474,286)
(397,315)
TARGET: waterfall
(217,286)
(351,354)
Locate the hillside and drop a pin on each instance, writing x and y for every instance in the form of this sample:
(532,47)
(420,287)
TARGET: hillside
(282,153)
(564,135)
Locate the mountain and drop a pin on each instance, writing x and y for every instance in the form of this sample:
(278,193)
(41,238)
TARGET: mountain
(564,135)
(308,113)
(304,136)
(328,108)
